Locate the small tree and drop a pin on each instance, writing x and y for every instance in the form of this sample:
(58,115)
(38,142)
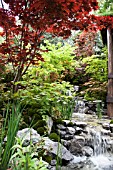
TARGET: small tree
(21,46)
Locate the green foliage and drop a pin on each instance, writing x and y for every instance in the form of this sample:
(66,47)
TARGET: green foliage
(111,122)
(13,118)
(57,59)
(50,98)
(42,86)
(54,137)
(99,108)
(94,88)
(96,67)
(41,130)
(105,7)
(26,158)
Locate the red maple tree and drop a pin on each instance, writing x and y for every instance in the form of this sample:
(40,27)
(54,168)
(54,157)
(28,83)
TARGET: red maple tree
(23,35)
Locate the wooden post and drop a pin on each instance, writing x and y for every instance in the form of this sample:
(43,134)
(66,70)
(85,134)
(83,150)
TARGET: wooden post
(110,73)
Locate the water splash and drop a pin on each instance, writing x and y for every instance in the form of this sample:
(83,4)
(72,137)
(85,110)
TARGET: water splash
(100,144)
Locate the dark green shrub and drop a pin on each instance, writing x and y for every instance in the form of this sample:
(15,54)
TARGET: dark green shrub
(54,137)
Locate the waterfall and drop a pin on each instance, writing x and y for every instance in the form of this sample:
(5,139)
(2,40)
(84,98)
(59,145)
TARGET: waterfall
(99,144)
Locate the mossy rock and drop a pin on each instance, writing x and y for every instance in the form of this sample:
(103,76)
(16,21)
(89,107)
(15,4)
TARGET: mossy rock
(26,119)
(111,122)
(36,118)
(58,121)
(47,158)
(40,123)
(53,136)
(41,130)
(32,111)
(23,125)
(70,124)
(41,153)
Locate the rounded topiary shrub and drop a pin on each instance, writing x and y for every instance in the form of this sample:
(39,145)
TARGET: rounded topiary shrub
(41,130)
(53,136)
(40,123)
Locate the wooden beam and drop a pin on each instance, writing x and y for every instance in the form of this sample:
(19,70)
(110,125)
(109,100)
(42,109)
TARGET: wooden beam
(110,73)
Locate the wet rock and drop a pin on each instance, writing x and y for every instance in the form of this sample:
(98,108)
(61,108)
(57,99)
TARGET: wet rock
(27,135)
(77,163)
(86,109)
(91,112)
(111,128)
(78,130)
(61,133)
(49,124)
(106,126)
(61,127)
(105,132)
(76,145)
(66,143)
(71,130)
(68,137)
(81,124)
(53,147)
(87,151)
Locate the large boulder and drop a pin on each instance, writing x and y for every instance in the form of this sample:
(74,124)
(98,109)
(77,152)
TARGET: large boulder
(57,149)
(27,135)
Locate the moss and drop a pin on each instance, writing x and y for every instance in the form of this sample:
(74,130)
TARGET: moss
(54,137)
(41,130)
(23,125)
(26,119)
(40,153)
(111,122)
(47,158)
(59,121)
(40,123)
(37,117)
(70,124)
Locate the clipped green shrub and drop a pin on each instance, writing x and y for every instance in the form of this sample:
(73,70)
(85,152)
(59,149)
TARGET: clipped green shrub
(40,123)
(53,136)
(41,130)
(111,122)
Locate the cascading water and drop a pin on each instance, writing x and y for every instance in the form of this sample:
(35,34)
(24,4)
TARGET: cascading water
(102,159)
(99,144)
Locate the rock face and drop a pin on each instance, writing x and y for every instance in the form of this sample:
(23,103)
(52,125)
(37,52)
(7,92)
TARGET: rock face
(80,142)
(27,135)
(58,149)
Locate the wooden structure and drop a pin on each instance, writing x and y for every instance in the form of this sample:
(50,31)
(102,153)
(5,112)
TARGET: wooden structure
(110,73)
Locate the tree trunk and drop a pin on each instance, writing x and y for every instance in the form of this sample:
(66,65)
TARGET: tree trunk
(17,78)
(110,73)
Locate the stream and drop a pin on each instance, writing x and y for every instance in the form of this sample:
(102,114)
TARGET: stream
(102,158)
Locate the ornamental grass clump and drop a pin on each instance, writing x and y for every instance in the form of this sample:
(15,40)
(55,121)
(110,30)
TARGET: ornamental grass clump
(10,128)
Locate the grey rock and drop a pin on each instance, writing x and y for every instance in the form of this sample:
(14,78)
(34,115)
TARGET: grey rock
(27,135)
(49,124)
(77,163)
(106,126)
(87,151)
(68,137)
(61,133)
(86,110)
(61,127)
(105,132)
(66,143)
(53,162)
(66,122)
(78,130)
(111,128)
(71,130)
(81,124)
(57,149)
(76,145)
